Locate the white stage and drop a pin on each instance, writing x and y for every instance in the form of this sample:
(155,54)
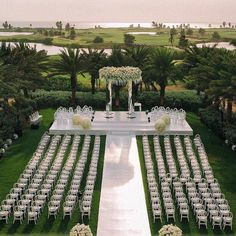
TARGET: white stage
(119,122)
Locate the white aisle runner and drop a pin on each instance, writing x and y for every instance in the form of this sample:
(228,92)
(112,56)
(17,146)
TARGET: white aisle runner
(122,208)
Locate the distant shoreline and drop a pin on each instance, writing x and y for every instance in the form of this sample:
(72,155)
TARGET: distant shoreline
(86,25)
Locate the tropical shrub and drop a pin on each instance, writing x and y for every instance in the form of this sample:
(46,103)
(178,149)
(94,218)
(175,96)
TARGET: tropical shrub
(188,100)
(212,118)
(98,39)
(55,99)
(8,122)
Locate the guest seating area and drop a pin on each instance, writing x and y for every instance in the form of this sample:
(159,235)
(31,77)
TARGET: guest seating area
(184,181)
(53,177)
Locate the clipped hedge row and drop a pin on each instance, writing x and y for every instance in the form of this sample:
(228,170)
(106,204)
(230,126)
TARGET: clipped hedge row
(213,119)
(188,100)
(45,99)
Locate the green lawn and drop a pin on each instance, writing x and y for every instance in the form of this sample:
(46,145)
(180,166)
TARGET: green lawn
(221,158)
(223,162)
(112,36)
(12,165)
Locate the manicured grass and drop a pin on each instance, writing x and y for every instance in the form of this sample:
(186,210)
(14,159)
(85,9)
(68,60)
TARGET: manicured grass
(112,36)
(223,162)
(12,165)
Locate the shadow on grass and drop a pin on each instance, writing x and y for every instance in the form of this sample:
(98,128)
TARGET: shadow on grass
(13,228)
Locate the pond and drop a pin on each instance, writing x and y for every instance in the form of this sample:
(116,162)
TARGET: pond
(54,50)
(142,33)
(14,33)
(225,45)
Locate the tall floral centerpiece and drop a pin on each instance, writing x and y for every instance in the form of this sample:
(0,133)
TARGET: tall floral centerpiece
(121,76)
(170,230)
(81,230)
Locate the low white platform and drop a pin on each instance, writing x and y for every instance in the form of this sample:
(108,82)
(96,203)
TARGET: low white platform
(122,209)
(119,122)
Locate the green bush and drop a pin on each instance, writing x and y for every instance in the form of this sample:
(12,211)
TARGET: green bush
(213,119)
(62,83)
(8,122)
(47,41)
(98,39)
(188,100)
(45,99)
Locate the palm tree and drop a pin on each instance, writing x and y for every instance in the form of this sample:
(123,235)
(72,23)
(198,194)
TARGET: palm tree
(93,61)
(5,50)
(223,86)
(160,68)
(23,66)
(197,63)
(137,56)
(70,63)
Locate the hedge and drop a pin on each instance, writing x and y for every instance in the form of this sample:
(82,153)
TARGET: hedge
(188,100)
(45,99)
(213,119)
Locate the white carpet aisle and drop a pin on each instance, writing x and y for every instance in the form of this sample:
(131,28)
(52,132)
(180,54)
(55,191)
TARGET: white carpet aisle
(122,205)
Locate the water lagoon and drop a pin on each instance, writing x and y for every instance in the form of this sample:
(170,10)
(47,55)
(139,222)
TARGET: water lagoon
(14,33)
(225,45)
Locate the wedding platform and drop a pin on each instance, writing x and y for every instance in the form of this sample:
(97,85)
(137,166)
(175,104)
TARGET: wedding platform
(122,122)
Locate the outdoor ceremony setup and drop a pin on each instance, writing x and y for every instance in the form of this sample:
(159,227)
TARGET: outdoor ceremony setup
(177,175)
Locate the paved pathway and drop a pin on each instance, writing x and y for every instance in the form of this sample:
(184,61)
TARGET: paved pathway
(122,208)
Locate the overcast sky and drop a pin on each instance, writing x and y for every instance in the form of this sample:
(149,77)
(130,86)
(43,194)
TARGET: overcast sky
(119,10)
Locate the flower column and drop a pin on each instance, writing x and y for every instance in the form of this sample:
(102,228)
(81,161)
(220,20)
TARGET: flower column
(110,95)
(130,95)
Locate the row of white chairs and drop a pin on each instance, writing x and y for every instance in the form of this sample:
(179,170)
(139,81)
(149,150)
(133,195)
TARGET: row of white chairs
(20,190)
(176,116)
(205,198)
(166,181)
(73,193)
(64,115)
(169,157)
(165,177)
(182,162)
(192,160)
(151,180)
(210,191)
(48,180)
(86,201)
(60,187)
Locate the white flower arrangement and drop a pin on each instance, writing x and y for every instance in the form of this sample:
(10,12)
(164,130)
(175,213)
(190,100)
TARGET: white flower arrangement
(170,230)
(81,230)
(233,147)
(76,119)
(2,151)
(5,146)
(9,142)
(15,136)
(121,75)
(85,123)
(166,119)
(160,126)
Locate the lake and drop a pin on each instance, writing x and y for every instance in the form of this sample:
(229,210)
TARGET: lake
(225,45)
(54,50)
(86,25)
(14,33)
(142,33)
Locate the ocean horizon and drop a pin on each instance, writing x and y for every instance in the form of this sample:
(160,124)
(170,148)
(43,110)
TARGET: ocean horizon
(86,25)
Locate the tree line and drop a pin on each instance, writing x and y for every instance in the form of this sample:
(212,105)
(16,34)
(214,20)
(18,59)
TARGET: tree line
(210,70)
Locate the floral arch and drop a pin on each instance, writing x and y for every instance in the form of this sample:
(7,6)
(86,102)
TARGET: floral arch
(121,76)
